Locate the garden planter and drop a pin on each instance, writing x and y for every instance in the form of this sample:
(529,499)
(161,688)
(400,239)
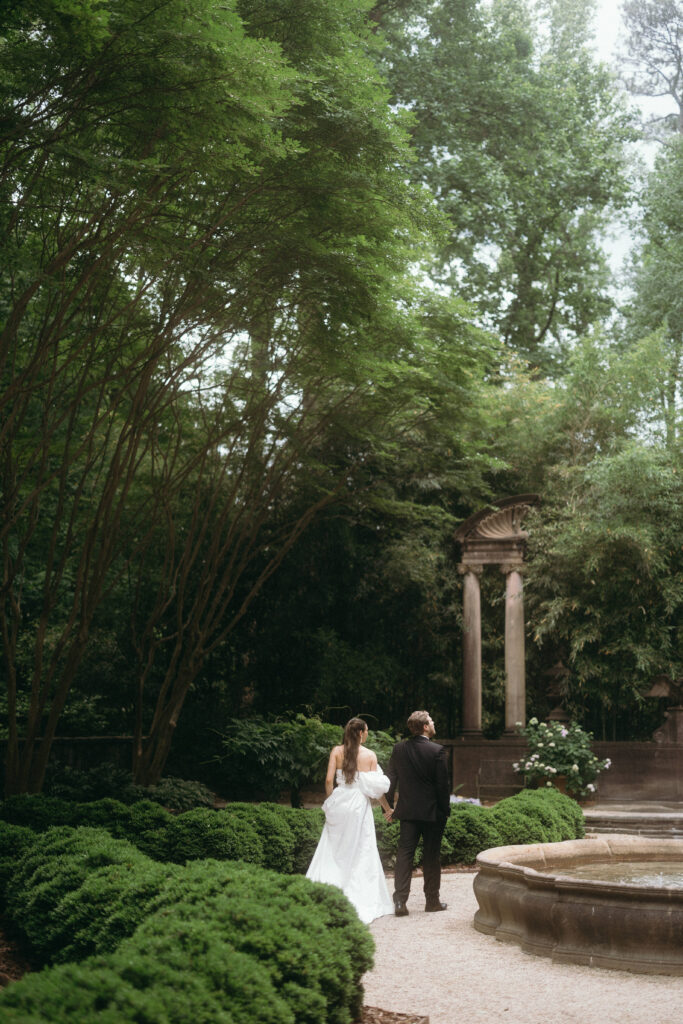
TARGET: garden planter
(560,782)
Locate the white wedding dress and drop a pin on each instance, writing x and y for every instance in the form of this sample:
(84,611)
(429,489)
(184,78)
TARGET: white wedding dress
(347,854)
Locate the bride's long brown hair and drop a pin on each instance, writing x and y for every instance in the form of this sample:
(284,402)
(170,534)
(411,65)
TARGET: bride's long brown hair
(353,731)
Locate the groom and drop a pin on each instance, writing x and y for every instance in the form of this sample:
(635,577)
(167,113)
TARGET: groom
(419,768)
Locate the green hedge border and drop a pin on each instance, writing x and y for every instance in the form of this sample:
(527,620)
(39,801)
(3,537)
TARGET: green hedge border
(282,838)
(209,941)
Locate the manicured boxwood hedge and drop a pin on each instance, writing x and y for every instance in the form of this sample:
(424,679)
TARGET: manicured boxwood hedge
(284,838)
(210,941)
(79,891)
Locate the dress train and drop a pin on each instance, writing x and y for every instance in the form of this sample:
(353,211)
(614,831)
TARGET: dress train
(347,854)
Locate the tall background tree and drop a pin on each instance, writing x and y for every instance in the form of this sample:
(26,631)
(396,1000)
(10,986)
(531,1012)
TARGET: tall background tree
(654,58)
(290,289)
(519,133)
(205,232)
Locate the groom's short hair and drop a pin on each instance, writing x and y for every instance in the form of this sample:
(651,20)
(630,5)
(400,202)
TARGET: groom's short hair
(417,722)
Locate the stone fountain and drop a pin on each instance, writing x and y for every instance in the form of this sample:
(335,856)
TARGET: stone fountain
(551,900)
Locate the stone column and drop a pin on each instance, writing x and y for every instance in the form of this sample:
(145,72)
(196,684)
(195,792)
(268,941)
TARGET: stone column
(471,647)
(515,687)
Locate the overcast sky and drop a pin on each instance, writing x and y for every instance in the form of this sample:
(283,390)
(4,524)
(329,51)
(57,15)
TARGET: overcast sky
(608,24)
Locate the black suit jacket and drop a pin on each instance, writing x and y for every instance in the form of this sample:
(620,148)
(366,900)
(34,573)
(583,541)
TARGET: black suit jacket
(420,770)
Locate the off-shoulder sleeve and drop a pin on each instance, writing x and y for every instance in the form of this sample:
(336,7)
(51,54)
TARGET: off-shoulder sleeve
(373,784)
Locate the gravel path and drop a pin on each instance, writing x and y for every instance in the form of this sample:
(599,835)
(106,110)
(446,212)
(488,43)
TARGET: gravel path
(439,966)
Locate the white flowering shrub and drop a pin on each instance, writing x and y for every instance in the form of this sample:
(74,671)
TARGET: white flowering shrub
(556,749)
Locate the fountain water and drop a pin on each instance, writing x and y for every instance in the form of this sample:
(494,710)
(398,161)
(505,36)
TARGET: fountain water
(587,901)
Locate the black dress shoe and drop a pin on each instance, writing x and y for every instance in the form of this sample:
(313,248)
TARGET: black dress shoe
(400,909)
(433,905)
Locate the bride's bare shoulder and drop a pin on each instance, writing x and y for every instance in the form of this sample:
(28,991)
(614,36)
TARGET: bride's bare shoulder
(366,760)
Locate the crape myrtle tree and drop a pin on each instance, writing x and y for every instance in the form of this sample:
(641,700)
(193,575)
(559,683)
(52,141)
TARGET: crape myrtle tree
(205,227)
(116,197)
(520,135)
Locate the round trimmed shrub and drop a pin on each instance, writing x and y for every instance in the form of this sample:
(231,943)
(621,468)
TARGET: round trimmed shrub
(516,827)
(277,840)
(567,810)
(148,829)
(157,982)
(180,794)
(14,841)
(469,830)
(306,828)
(68,892)
(307,933)
(105,813)
(533,804)
(146,815)
(37,811)
(202,833)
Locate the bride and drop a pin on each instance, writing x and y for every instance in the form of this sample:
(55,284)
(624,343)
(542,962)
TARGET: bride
(347,854)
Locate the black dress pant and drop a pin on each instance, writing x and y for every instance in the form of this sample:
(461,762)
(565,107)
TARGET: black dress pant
(431,832)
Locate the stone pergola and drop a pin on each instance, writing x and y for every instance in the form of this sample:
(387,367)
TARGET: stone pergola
(494,536)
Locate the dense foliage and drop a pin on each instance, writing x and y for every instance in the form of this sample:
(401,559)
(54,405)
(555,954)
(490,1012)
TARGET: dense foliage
(290,289)
(266,757)
(520,136)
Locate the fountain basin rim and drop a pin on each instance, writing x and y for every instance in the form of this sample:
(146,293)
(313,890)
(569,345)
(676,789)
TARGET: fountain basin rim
(524,896)
(511,861)
(550,878)
(592,848)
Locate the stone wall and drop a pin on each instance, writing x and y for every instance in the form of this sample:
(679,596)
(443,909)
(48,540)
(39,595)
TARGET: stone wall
(640,771)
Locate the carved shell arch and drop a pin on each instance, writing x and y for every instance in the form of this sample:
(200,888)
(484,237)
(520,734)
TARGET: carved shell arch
(503,524)
(498,525)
